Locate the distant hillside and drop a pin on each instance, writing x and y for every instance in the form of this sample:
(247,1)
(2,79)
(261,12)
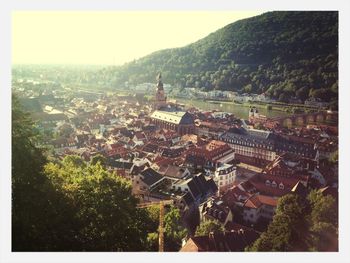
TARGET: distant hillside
(284,54)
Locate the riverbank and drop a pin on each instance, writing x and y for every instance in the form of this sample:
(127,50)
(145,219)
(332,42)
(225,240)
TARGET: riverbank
(276,106)
(239,110)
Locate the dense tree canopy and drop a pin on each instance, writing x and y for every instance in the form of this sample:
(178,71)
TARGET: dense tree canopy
(104,208)
(323,222)
(284,54)
(208,226)
(301,225)
(71,205)
(174,230)
(39,213)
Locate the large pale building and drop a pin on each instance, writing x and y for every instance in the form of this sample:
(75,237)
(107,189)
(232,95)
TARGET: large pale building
(180,121)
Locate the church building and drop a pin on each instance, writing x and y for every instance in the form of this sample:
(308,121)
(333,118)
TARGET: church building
(160,98)
(167,117)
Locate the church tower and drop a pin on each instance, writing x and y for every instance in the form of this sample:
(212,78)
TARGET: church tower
(160,98)
(253,113)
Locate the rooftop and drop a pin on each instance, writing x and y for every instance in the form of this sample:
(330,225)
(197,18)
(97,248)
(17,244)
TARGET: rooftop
(150,176)
(175,117)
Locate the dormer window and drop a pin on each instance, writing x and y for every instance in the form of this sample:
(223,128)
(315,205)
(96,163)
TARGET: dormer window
(281,186)
(267,183)
(274,185)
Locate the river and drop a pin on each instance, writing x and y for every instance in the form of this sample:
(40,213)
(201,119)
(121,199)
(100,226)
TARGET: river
(240,111)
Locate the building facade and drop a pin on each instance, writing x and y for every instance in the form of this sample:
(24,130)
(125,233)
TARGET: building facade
(169,118)
(180,121)
(224,176)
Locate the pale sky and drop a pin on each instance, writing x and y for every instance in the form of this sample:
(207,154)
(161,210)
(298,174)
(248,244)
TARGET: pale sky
(108,37)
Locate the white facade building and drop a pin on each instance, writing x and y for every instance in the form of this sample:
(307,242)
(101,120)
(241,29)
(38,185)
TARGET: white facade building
(224,176)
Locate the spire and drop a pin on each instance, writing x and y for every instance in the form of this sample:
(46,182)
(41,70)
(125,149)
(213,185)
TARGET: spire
(159,77)
(159,80)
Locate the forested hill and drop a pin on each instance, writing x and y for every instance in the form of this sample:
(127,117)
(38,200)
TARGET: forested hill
(284,54)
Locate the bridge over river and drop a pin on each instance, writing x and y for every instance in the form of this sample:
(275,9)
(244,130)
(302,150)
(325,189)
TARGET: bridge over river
(307,118)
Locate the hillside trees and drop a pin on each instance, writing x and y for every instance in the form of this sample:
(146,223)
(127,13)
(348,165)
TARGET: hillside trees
(104,209)
(301,225)
(323,222)
(300,50)
(40,214)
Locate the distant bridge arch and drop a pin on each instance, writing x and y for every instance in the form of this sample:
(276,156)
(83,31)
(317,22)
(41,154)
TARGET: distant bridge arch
(300,120)
(310,119)
(306,118)
(287,122)
(319,118)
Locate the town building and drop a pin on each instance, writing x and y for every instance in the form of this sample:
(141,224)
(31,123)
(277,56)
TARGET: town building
(215,210)
(144,182)
(259,207)
(167,117)
(255,117)
(316,102)
(210,155)
(180,121)
(232,241)
(199,187)
(261,147)
(224,176)
(160,98)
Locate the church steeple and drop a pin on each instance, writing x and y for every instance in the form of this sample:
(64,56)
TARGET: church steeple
(159,82)
(160,98)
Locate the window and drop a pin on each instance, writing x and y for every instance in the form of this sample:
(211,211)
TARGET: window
(268,183)
(281,186)
(274,184)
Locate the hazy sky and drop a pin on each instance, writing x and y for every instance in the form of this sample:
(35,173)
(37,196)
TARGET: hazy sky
(108,37)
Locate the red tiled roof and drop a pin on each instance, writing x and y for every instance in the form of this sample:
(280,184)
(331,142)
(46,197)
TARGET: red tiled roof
(267,200)
(259,182)
(233,195)
(258,200)
(253,202)
(227,241)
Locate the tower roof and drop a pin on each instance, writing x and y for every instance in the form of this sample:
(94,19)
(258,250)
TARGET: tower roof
(159,82)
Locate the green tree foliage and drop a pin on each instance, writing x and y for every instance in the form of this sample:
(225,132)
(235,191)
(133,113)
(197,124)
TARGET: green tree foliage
(276,52)
(39,213)
(65,130)
(71,205)
(105,212)
(208,226)
(323,222)
(285,231)
(334,157)
(98,159)
(301,225)
(174,231)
